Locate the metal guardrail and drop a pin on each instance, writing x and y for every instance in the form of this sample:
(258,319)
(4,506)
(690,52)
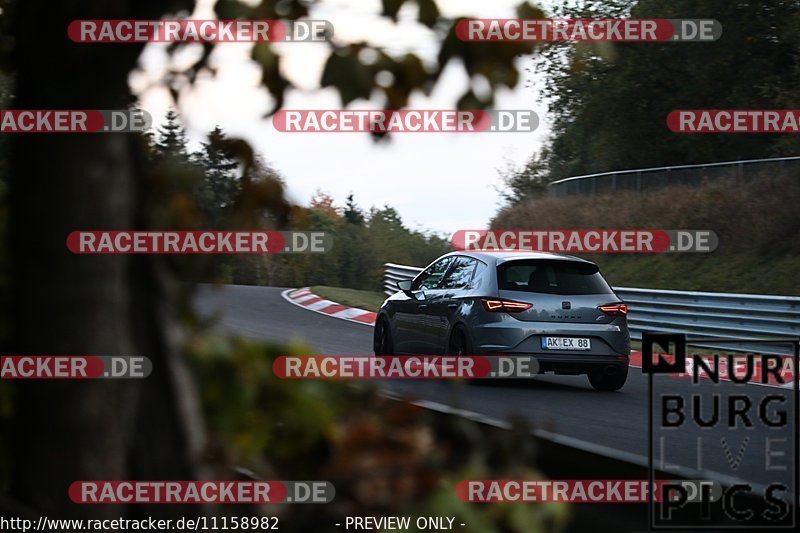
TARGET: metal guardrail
(685,175)
(700,314)
(393,273)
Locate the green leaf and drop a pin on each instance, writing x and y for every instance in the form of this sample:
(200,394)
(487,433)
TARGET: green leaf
(391,8)
(526,11)
(231,9)
(346,74)
(428,12)
(271,76)
(470,100)
(409,75)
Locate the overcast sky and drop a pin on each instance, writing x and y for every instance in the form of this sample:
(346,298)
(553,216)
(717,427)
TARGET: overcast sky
(437,181)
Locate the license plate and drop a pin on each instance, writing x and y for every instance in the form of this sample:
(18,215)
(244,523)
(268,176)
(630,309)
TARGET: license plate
(566,343)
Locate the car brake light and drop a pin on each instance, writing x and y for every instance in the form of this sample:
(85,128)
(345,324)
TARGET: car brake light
(505,306)
(614,309)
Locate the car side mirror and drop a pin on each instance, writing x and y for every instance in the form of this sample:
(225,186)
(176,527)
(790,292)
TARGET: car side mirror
(405,286)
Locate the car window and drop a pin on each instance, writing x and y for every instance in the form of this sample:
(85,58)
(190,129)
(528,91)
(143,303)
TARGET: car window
(432,276)
(551,277)
(480,267)
(460,273)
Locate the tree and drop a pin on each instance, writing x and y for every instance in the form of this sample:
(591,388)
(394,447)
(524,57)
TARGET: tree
(352,213)
(127,304)
(395,243)
(171,138)
(111,305)
(220,185)
(323,202)
(528,181)
(608,102)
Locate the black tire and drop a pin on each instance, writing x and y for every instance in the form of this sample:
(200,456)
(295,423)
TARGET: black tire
(459,343)
(382,338)
(609,382)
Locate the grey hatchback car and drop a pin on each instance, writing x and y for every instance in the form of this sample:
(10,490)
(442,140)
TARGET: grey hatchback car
(556,308)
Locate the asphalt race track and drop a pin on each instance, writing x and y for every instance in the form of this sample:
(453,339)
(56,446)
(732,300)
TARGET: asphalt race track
(614,423)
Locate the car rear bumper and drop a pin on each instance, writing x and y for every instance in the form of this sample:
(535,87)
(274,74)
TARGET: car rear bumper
(581,365)
(510,336)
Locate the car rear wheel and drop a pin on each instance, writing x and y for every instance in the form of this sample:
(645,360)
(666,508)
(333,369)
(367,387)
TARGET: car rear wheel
(603,380)
(382,338)
(459,342)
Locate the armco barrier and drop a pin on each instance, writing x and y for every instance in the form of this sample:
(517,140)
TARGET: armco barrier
(684,175)
(701,314)
(393,273)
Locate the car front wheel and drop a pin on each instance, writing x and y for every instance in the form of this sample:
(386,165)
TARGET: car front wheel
(382,338)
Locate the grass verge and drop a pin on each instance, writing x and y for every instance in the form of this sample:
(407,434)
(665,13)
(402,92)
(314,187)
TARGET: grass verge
(756,222)
(368,300)
(715,272)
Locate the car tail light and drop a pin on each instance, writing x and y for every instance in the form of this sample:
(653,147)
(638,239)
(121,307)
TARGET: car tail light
(614,309)
(505,306)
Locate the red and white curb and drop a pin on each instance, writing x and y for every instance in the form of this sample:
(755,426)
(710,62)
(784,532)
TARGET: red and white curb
(305,298)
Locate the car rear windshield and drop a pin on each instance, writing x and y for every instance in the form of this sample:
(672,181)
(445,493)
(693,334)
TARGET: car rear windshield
(551,277)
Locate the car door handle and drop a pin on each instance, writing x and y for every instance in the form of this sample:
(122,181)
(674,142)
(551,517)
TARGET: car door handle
(452,305)
(423,306)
